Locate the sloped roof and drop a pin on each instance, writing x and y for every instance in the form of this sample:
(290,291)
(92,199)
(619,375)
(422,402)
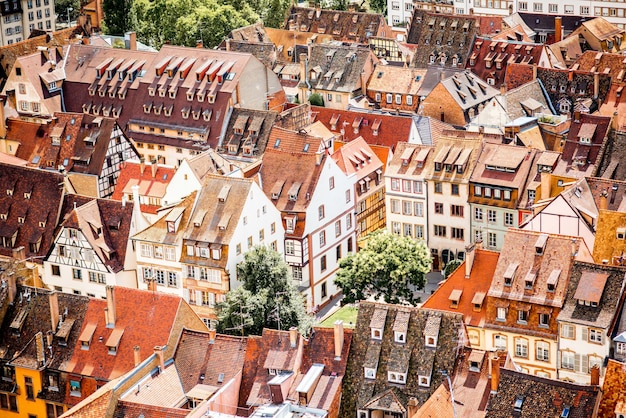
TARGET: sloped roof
(356,157)
(517,163)
(541,397)
(579,159)
(252,135)
(291,169)
(519,248)
(391,130)
(392,79)
(342,25)
(415,157)
(113,217)
(158,231)
(489,58)
(602,29)
(152,183)
(146,318)
(463,147)
(31,199)
(478,283)
(338,67)
(613,388)
(468,90)
(358,391)
(603,316)
(441,35)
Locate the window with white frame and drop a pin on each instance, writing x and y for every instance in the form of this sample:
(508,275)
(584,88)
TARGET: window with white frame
(492,239)
(499,342)
(521,347)
(508,219)
(419,209)
(567,360)
(543,351)
(567,331)
(595,335)
(322,237)
(537,7)
(501,314)
(338,228)
(395,205)
(146,250)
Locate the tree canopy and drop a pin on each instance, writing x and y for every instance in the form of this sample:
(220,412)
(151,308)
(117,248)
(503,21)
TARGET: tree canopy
(388,266)
(267,297)
(183,22)
(119,16)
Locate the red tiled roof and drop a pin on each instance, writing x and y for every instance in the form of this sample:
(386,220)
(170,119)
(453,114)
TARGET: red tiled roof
(517,75)
(392,129)
(478,283)
(573,149)
(130,171)
(147,319)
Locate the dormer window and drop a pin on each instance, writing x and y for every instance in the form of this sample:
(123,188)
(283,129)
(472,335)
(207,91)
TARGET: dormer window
(377,334)
(185,112)
(290,223)
(369,373)
(424,381)
(86,336)
(399,337)
(431,330)
(394,377)
(172,93)
(540,244)
(114,340)
(455,297)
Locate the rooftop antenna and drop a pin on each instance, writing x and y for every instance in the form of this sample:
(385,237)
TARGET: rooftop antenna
(244,317)
(275,313)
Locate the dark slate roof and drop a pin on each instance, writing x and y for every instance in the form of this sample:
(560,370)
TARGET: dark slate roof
(338,67)
(18,344)
(442,35)
(542,397)
(604,314)
(248,132)
(581,158)
(359,392)
(34,197)
(342,25)
(545,23)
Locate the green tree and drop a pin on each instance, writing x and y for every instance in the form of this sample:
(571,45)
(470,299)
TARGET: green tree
(276,11)
(267,297)
(450,267)
(316,99)
(379,6)
(119,16)
(388,266)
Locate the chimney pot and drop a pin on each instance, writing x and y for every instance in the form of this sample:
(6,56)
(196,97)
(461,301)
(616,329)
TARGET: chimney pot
(53,300)
(495,373)
(137,355)
(158,350)
(595,375)
(110,309)
(293,337)
(338,334)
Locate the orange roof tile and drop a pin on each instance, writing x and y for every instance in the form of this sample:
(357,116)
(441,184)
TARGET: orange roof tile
(146,319)
(478,283)
(149,185)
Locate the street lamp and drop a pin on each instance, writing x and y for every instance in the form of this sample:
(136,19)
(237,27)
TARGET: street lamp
(69,9)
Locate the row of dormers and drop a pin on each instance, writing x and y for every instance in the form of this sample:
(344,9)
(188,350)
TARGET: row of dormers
(401,326)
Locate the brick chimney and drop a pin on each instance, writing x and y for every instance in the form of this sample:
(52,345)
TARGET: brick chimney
(470,253)
(558,29)
(142,165)
(212,334)
(130,40)
(413,407)
(604,201)
(293,337)
(158,350)
(595,375)
(111,315)
(338,334)
(3,122)
(494,364)
(53,300)
(154,169)
(41,353)
(18,253)
(137,355)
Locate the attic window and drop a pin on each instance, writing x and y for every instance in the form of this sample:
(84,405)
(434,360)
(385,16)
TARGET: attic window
(86,335)
(620,233)
(377,334)
(540,244)
(519,402)
(529,280)
(509,274)
(114,340)
(424,381)
(369,373)
(455,297)
(394,377)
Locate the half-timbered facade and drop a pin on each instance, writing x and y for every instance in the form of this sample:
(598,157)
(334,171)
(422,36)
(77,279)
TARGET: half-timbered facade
(91,247)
